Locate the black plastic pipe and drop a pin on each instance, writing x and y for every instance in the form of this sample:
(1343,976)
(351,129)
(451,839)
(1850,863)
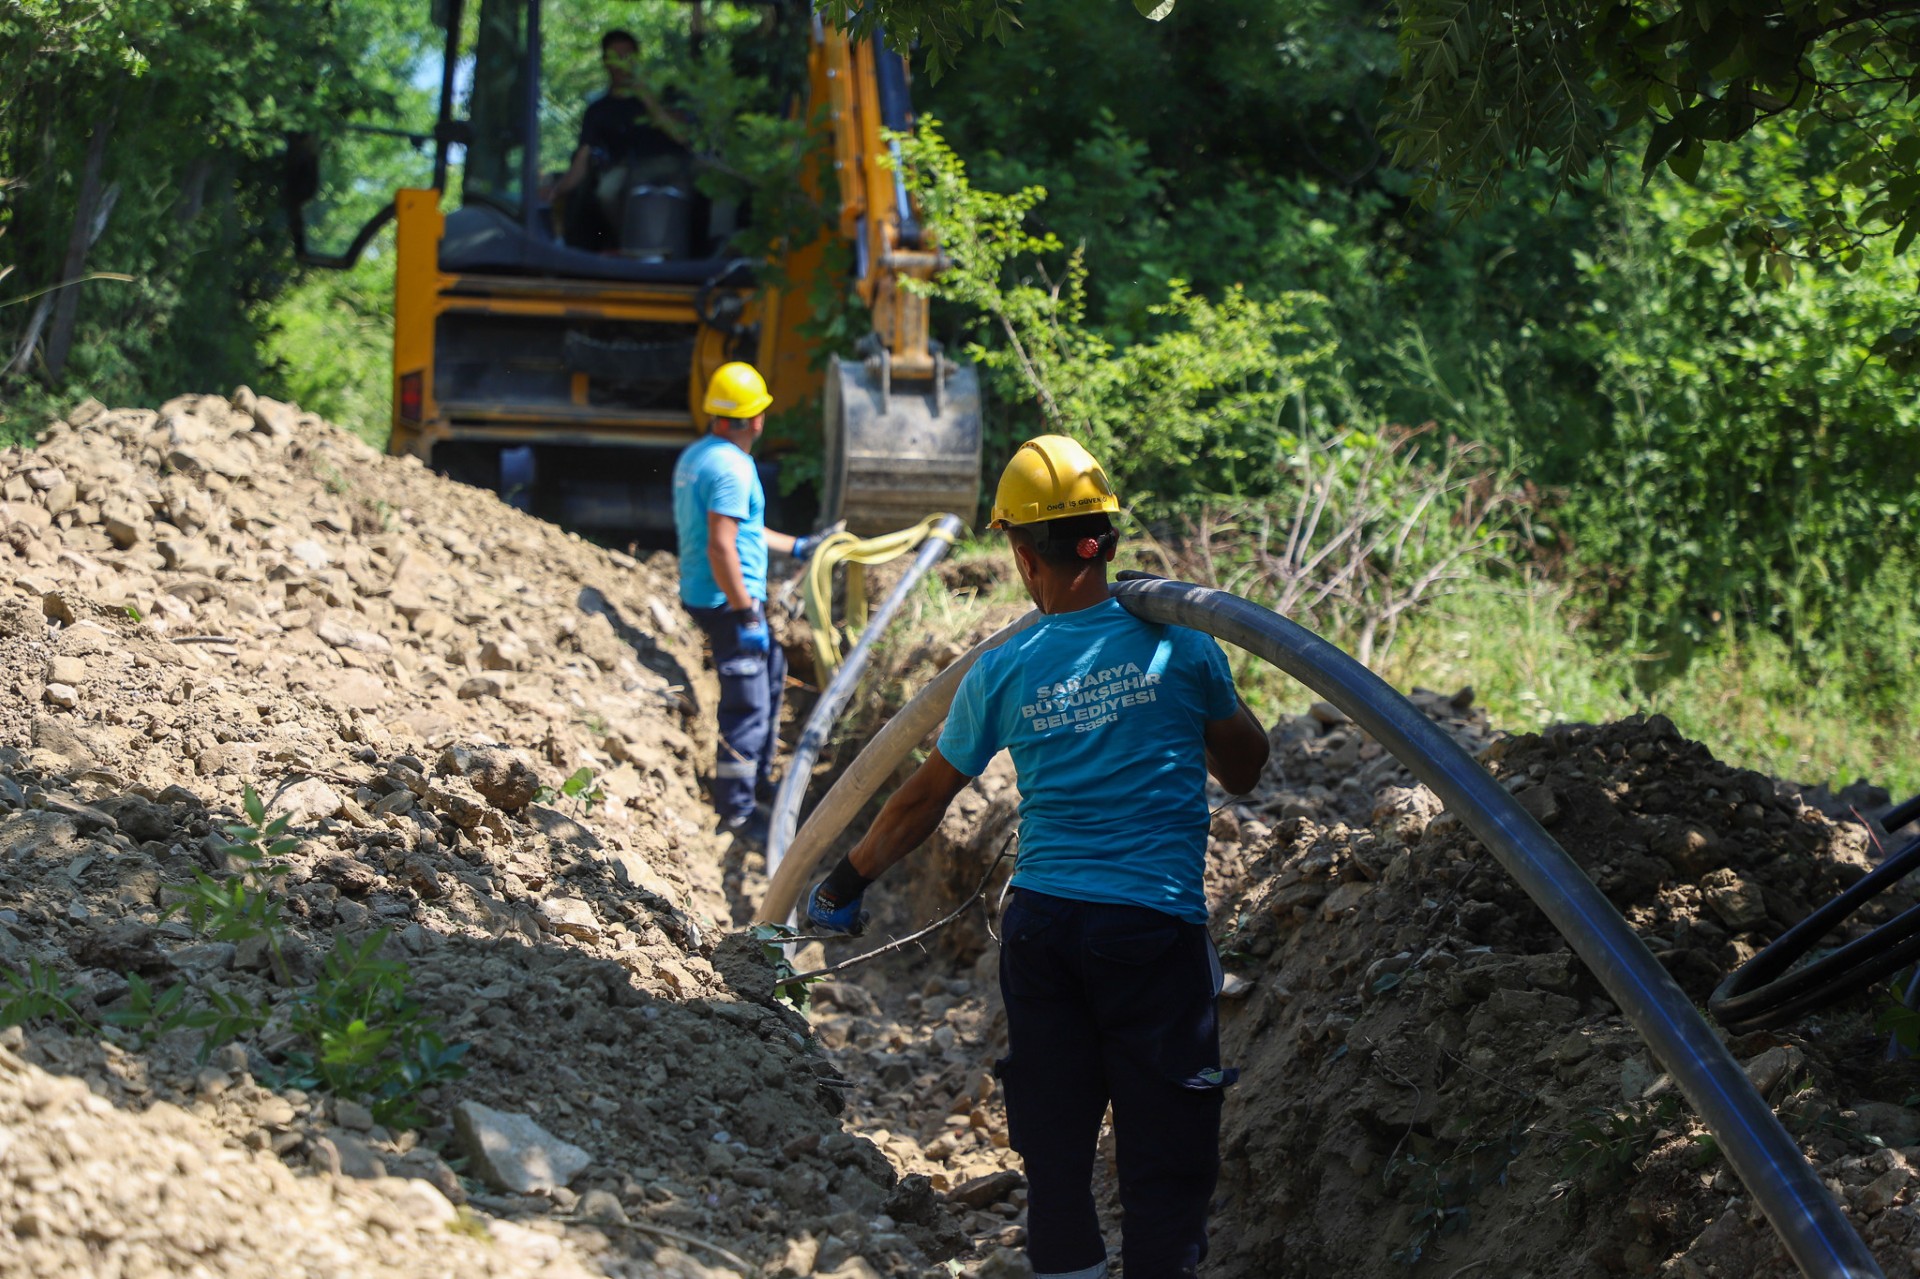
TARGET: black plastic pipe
(819,725)
(1900,815)
(1762,992)
(1781,1181)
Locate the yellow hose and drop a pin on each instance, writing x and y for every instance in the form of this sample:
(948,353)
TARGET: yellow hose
(829,642)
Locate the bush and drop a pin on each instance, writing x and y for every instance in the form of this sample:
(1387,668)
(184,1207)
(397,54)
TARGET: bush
(1189,412)
(1755,466)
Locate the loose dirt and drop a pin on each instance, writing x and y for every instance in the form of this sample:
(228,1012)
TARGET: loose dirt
(229,593)
(1432,1083)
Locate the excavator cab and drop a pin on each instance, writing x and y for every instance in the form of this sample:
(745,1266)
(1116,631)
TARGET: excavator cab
(561,357)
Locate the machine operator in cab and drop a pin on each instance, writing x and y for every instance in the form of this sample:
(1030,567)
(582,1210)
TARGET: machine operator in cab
(627,135)
(1108,974)
(719,514)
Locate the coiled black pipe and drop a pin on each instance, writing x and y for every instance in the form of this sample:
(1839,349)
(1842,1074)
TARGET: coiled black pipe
(1756,995)
(819,725)
(1809,1223)
(1901,815)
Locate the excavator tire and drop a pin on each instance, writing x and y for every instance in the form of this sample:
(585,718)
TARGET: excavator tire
(891,460)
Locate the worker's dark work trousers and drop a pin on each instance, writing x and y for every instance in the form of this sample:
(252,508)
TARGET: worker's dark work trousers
(1110,1003)
(751,685)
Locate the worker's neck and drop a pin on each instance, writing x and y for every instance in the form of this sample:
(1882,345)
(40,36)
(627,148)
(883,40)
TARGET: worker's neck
(742,440)
(1060,593)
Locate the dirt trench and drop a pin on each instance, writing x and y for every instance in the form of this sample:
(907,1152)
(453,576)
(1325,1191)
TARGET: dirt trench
(228,593)
(1432,1083)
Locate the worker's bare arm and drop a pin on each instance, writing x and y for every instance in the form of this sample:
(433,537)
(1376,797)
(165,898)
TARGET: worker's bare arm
(1236,750)
(910,816)
(576,173)
(723,557)
(669,123)
(781,542)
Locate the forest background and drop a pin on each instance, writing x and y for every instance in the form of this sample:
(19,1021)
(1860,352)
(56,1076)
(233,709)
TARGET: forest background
(1592,442)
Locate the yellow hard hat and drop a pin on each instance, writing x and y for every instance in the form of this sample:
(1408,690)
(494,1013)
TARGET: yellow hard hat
(1049,478)
(736,390)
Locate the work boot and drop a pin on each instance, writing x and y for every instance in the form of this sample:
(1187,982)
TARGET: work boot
(750,830)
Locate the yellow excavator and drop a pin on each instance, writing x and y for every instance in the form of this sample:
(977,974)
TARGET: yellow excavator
(570,377)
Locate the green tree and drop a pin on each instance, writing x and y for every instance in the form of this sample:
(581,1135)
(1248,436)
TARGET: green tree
(1753,465)
(143,139)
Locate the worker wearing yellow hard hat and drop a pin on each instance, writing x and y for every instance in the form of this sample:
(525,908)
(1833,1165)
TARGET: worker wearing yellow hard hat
(1109,978)
(719,514)
(736,391)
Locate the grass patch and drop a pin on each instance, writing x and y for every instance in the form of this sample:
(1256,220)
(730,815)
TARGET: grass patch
(1532,664)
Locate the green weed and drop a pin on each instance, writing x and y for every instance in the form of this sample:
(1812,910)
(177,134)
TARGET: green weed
(1606,1147)
(366,1038)
(1896,1019)
(241,906)
(225,1018)
(774,940)
(35,995)
(148,1015)
(579,787)
(1441,1180)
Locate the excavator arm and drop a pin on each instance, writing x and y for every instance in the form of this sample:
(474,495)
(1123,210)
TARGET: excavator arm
(902,421)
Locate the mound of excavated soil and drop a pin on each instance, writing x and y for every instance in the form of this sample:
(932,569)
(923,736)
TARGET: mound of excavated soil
(1432,1083)
(1432,1080)
(229,593)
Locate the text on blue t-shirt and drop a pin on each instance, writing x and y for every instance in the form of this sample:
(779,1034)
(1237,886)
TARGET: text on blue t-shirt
(1105,716)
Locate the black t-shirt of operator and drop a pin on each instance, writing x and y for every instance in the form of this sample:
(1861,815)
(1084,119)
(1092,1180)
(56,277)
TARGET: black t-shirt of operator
(619,130)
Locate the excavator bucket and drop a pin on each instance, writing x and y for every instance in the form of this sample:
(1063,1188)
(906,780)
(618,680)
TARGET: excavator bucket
(898,453)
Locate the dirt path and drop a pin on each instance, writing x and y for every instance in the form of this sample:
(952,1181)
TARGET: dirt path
(231,594)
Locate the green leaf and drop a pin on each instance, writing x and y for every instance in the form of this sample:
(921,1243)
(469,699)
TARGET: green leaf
(1685,162)
(1153,10)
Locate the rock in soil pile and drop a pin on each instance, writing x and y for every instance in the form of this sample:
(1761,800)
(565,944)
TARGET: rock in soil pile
(230,594)
(1432,1083)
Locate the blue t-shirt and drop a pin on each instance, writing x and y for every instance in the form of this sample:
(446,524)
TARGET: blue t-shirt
(1105,716)
(717,475)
